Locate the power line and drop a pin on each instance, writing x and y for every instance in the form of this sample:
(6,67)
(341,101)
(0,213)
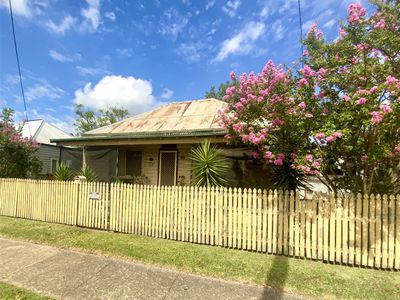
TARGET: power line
(301,28)
(19,67)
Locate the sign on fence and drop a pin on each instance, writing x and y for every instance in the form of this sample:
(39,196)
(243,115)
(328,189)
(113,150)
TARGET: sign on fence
(95,196)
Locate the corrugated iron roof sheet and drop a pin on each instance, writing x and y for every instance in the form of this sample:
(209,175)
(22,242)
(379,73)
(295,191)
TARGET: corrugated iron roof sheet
(178,116)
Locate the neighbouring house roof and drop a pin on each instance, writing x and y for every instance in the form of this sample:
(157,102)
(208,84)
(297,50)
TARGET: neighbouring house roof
(42,132)
(178,119)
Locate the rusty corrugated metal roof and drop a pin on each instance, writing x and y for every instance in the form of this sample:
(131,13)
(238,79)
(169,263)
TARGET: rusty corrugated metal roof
(178,116)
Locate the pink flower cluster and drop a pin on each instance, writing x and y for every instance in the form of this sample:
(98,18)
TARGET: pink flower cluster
(314,31)
(307,72)
(256,139)
(346,98)
(381,24)
(303,82)
(238,127)
(377,117)
(361,101)
(392,82)
(355,13)
(302,105)
(277,160)
(334,136)
(385,108)
(311,165)
(362,47)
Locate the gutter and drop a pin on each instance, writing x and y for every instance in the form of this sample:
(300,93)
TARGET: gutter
(143,135)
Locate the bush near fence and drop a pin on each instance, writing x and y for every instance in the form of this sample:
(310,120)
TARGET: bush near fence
(351,229)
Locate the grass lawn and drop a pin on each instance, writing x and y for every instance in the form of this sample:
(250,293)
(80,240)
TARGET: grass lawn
(8,292)
(292,275)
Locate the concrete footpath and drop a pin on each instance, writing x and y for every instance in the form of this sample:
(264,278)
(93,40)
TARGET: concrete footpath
(65,274)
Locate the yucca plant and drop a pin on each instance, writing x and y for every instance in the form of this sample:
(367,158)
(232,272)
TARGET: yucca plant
(88,173)
(208,165)
(63,172)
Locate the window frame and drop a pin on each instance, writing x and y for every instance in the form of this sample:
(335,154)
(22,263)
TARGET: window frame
(141,163)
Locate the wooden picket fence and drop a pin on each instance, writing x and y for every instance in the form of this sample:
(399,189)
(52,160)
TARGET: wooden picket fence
(351,229)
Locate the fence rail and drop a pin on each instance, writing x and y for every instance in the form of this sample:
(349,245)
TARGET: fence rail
(352,229)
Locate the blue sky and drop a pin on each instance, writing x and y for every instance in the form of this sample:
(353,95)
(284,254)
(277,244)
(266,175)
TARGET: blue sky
(140,54)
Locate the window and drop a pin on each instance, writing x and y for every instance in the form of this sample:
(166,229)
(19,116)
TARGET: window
(134,163)
(54,164)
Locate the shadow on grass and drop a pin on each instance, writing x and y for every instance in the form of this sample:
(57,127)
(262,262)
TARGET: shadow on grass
(276,278)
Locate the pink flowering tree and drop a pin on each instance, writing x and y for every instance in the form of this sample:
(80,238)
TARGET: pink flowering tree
(272,113)
(17,154)
(336,117)
(361,94)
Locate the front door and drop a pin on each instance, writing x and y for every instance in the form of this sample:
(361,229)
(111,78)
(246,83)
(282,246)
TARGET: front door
(167,167)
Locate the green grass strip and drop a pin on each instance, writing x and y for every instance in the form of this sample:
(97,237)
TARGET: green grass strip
(297,276)
(10,292)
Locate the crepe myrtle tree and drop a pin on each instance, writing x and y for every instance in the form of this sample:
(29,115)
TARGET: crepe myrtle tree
(338,116)
(18,157)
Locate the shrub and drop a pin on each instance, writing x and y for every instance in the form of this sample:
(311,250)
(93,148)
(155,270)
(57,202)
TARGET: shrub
(209,166)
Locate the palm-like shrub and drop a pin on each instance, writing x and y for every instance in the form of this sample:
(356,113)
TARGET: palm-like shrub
(63,172)
(88,173)
(208,165)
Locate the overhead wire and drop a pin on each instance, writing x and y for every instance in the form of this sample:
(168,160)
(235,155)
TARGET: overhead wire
(19,67)
(301,29)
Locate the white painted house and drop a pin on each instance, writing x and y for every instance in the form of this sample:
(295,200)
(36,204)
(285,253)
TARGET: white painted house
(49,153)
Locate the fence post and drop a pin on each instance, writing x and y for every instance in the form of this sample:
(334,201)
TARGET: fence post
(79,180)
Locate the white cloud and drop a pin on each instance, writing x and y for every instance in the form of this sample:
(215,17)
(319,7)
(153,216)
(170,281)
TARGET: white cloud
(91,16)
(278,30)
(84,71)
(231,7)
(330,23)
(210,4)
(43,90)
(3,103)
(127,52)
(190,52)
(173,23)
(167,94)
(242,42)
(12,79)
(64,57)
(134,94)
(19,7)
(289,7)
(264,12)
(110,15)
(66,23)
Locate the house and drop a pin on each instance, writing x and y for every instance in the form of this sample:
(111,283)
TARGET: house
(48,152)
(156,144)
